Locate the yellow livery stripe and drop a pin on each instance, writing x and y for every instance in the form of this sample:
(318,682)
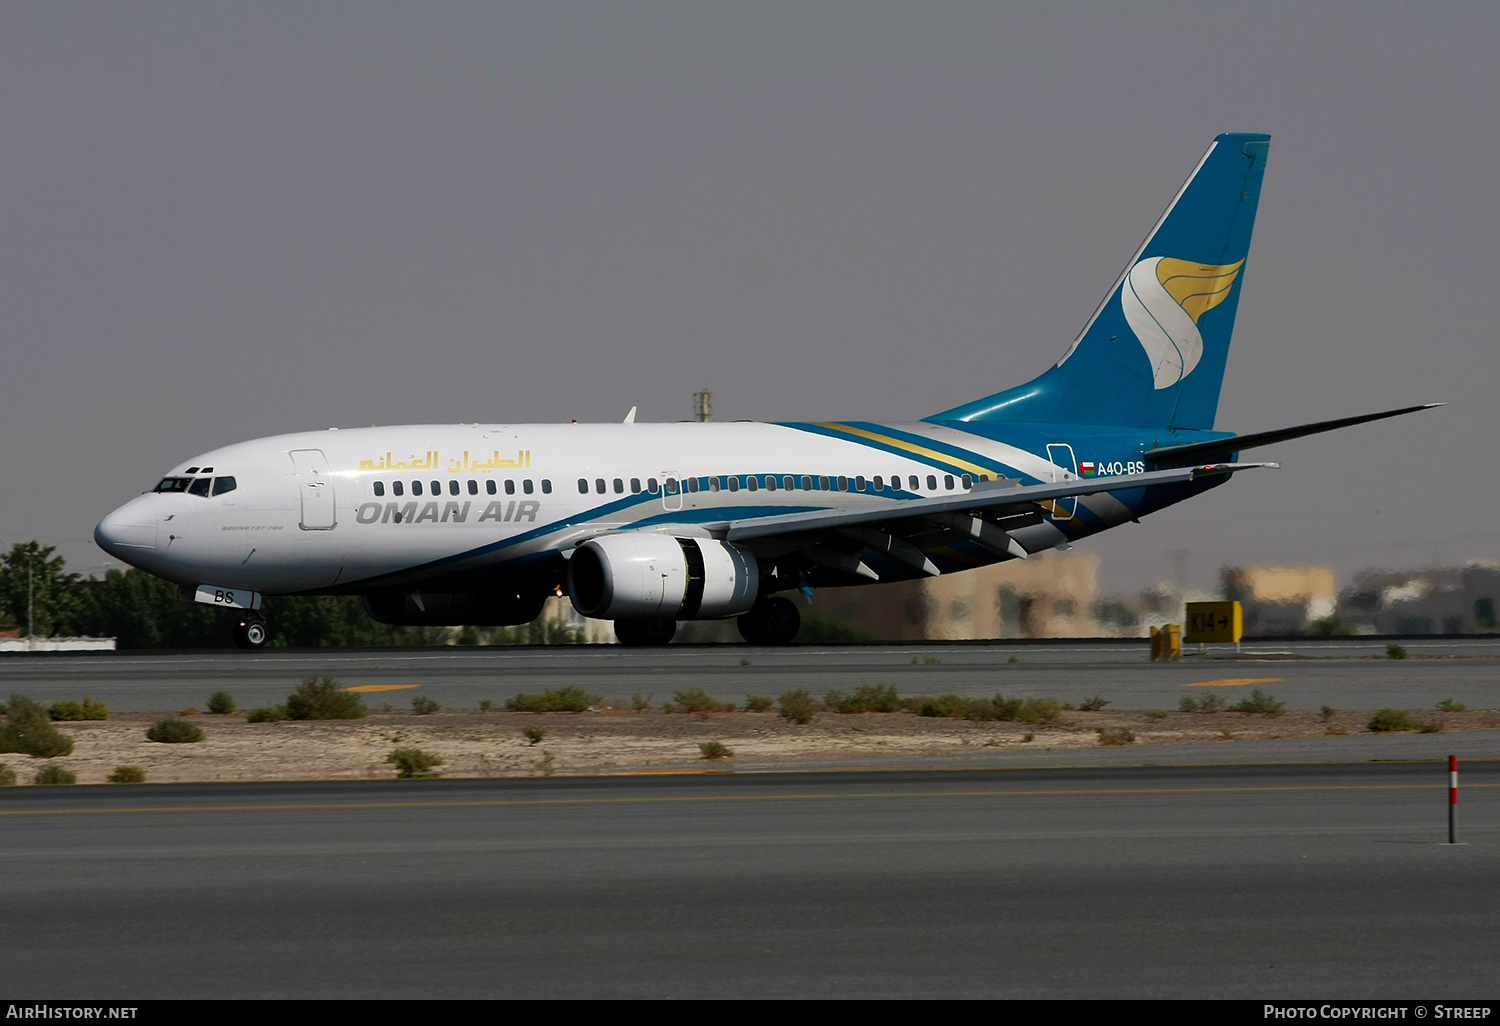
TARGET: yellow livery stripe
(912,447)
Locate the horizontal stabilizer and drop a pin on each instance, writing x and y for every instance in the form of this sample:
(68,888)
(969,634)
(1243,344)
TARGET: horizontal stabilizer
(1223,448)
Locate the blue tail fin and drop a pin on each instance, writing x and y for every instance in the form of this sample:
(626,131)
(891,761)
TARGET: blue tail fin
(1153,353)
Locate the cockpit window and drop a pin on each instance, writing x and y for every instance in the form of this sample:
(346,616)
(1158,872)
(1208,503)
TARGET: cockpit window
(174,484)
(223,484)
(199,486)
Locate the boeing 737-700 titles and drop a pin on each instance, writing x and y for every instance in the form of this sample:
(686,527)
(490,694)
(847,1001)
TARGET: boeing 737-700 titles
(650,524)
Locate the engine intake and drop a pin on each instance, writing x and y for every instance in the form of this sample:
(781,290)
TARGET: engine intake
(630,576)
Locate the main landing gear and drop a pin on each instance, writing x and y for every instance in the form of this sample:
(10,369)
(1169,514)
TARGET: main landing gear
(249,632)
(772,621)
(645,633)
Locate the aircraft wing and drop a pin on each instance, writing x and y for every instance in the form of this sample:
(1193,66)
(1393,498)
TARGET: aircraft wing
(986,497)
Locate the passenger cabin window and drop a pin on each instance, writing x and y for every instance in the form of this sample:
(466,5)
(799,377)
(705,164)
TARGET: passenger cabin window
(692,484)
(789,482)
(968,481)
(453,487)
(879,483)
(671,484)
(912,483)
(526,486)
(174,484)
(416,487)
(806,483)
(770,482)
(651,485)
(546,486)
(200,486)
(489,487)
(932,482)
(599,485)
(379,488)
(752,482)
(713,484)
(859,483)
(437,488)
(226,484)
(843,484)
(619,486)
(734,484)
(473,487)
(635,486)
(397,487)
(510,487)
(948,482)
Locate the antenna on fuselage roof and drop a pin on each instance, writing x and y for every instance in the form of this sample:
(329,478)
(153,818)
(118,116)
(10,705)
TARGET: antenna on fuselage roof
(630,417)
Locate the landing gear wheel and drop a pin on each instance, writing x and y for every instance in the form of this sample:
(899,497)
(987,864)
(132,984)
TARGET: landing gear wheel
(773,621)
(249,633)
(645,633)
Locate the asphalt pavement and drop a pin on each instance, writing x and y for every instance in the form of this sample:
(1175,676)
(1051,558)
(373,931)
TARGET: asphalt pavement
(1344,673)
(1252,882)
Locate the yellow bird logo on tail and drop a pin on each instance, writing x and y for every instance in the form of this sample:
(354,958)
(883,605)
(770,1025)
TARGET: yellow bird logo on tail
(1163,297)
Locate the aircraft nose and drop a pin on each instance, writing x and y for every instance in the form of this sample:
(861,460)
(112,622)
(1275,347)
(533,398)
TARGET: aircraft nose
(130,530)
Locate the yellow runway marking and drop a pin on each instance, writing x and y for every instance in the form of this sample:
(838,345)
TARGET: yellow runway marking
(367,688)
(700,799)
(1233,682)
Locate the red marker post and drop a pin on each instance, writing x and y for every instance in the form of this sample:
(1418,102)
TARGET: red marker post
(1452,799)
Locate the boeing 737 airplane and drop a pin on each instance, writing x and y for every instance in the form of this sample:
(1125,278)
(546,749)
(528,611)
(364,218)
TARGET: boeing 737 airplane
(649,524)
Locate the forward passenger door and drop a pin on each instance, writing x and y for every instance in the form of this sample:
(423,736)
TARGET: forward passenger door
(315,485)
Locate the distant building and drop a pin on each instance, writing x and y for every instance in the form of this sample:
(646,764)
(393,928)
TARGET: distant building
(1050,595)
(1280,600)
(1444,600)
(9,630)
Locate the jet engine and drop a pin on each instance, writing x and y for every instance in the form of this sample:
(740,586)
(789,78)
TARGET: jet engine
(502,607)
(636,576)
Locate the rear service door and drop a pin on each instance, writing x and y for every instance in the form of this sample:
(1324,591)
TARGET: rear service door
(1064,468)
(316,488)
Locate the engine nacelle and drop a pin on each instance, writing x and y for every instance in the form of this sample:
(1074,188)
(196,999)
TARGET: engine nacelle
(501,608)
(630,576)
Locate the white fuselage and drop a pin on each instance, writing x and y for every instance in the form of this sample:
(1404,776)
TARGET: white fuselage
(397,507)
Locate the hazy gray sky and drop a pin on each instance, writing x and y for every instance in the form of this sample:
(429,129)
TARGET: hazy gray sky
(222,221)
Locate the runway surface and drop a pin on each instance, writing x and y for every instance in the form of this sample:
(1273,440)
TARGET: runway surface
(1347,673)
(1252,882)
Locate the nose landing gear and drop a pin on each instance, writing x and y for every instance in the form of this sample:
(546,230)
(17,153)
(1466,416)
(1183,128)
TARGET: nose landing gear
(249,632)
